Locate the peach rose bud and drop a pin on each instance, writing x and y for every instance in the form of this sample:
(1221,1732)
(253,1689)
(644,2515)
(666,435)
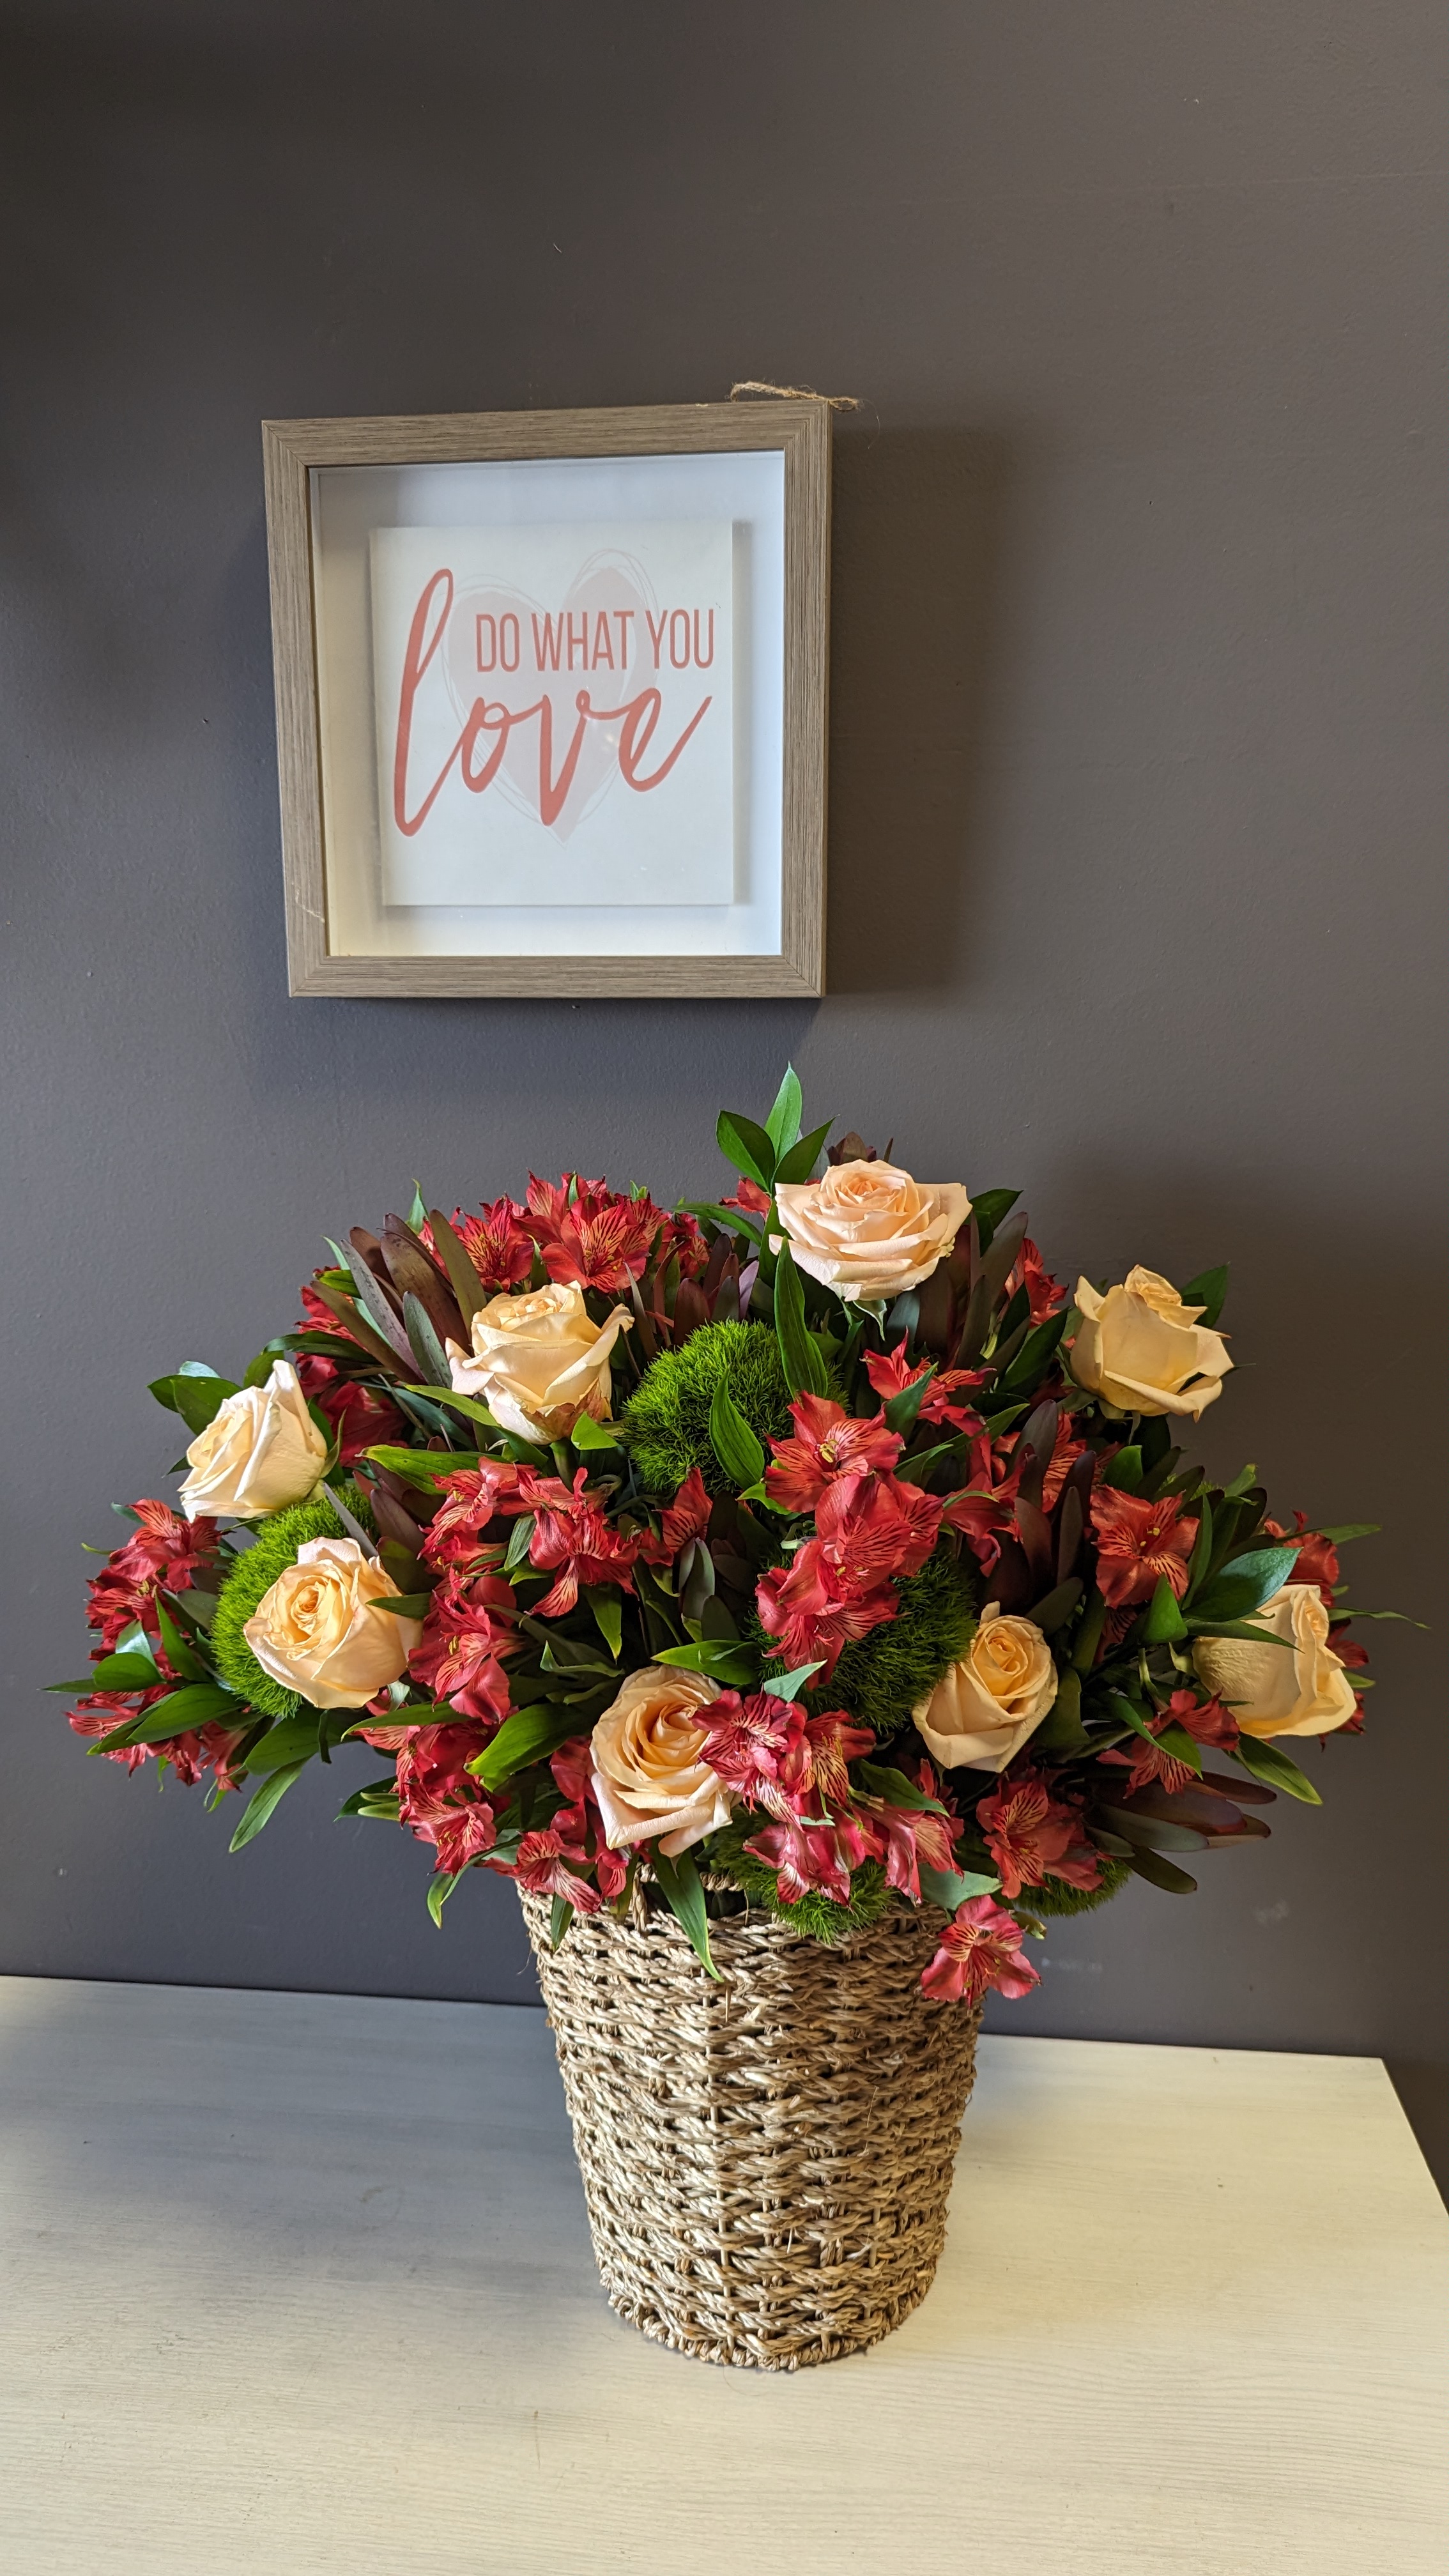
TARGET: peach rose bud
(986,1707)
(868,1230)
(1141,1350)
(320,1632)
(649,1779)
(1270,1690)
(260,1451)
(539,1361)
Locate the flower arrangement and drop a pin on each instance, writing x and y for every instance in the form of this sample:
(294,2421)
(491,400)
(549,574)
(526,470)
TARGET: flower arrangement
(804,1550)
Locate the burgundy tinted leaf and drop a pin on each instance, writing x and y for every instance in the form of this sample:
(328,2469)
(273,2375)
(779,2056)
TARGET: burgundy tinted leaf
(413,1274)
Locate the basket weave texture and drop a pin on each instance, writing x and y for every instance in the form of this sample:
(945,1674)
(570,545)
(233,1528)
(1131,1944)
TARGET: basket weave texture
(766,2160)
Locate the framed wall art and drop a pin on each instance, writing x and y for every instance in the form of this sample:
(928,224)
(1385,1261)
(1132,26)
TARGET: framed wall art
(551,699)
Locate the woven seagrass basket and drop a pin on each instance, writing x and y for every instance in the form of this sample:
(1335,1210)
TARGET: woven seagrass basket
(767,2159)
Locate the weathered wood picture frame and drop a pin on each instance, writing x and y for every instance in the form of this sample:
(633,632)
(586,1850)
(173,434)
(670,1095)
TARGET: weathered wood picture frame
(715,887)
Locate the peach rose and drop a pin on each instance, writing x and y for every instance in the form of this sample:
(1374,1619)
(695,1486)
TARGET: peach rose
(539,1361)
(983,1710)
(869,1230)
(320,1632)
(1270,1690)
(1142,1351)
(648,1776)
(260,1450)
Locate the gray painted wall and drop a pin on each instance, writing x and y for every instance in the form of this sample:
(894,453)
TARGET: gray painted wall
(1136,787)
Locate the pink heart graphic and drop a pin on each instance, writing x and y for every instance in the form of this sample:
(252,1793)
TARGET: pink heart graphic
(601,626)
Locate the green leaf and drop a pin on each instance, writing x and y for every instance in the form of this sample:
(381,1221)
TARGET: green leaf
(178,1653)
(1151,1833)
(989,1210)
(440,1888)
(471,1405)
(736,1666)
(560,1916)
(881,1780)
(608,1609)
(783,1124)
(421,1467)
(181,1710)
(1201,1557)
(800,1354)
(684,1896)
(733,1442)
(520,1540)
(1124,1472)
(746,1146)
(196,1397)
(122,1673)
(1164,1620)
(1174,1739)
(1346,1530)
(1159,1872)
(1057,1608)
(1245,1583)
(1207,1290)
(901,1410)
(949,1888)
(589,1434)
(799,1163)
(259,1807)
(463,1279)
(1061,1730)
(1030,1363)
(1276,1770)
(1238,1628)
(406,1605)
(291,1740)
(915,1470)
(526,1736)
(790,1685)
(426,1348)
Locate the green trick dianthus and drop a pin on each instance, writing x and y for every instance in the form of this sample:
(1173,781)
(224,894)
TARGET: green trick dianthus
(275,1547)
(816,1914)
(1055,1897)
(666,1420)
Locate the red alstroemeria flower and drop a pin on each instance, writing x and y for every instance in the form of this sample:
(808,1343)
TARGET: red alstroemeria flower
(467,1634)
(684,1521)
(877,1526)
(1146,1764)
(543,1867)
(474,1497)
(1045,1295)
(807,1855)
(812,1611)
(834,1741)
(438,1798)
(759,1749)
(1066,1450)
(749,1198)
(165,1553)
(890,1373)
(1206,1720)
(571,1533)
(208,1748)
(827,1442)
(682,1239)
(578,1821)
(497,1242)
(1030,1838)
(1347,1648)
(980,1954)
(903,1837)
(1138,1542)
(1317,1557)
(985,1511)
(594,1238)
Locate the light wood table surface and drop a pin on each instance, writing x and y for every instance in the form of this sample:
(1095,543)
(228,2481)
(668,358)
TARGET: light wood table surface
(298,2283)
